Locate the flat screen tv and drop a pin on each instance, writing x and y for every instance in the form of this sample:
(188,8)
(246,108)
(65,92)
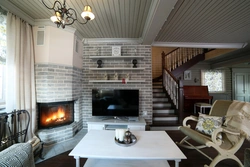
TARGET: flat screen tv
(116,103)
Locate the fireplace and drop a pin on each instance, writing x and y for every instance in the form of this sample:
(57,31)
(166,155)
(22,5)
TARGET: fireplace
(55,114)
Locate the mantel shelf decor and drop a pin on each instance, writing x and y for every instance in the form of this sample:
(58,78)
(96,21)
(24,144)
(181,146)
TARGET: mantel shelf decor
(116,81)
(117,68)
(117,57)
(116,50)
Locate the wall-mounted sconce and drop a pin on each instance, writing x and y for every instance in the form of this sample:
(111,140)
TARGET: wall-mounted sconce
(196,79)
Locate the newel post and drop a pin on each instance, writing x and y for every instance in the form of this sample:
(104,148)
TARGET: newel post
(181,100)
(163,63)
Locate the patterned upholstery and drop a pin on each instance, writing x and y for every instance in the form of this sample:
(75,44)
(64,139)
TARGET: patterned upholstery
(17,155)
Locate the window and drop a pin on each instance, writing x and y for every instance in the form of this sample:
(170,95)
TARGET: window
(214,79)
(3,52)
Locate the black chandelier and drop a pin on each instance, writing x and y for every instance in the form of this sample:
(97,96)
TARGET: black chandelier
(64,16)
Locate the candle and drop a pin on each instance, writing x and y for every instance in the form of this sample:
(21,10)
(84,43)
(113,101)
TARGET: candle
(119,134)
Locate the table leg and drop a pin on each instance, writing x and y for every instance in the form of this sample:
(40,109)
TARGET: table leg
(177,163)
(77,161)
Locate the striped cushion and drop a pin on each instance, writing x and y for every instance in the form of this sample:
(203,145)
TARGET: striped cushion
(18,155)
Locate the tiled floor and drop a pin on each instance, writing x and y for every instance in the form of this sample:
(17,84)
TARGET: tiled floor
(58,148)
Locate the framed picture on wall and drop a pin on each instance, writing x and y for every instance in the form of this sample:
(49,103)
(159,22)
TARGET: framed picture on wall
(187,75)
(116,50)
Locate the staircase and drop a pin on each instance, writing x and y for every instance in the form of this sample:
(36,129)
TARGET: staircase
(174,63)
(163,111)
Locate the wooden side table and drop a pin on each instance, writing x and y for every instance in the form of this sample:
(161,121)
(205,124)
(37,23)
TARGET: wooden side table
(202,107)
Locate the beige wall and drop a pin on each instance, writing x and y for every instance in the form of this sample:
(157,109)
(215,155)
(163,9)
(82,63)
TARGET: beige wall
(217,52)
(156,60)
(58,47)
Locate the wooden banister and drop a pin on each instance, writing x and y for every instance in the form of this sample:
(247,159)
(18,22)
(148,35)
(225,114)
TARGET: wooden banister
(172,85)
(174,88)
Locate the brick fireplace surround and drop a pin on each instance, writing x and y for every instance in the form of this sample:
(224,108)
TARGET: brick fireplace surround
(56,83)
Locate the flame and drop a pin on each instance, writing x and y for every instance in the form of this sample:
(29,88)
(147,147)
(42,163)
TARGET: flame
(57,116)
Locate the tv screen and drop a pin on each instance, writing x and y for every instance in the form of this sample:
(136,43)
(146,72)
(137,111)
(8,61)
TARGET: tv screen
(114,102)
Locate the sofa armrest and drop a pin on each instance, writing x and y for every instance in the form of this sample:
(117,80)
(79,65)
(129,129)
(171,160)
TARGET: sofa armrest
(189,118)
(17,155)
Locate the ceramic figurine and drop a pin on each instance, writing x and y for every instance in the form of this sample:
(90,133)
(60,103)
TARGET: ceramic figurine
(134,62)
(99,62)
(105,77)
(116,76)
(127,77)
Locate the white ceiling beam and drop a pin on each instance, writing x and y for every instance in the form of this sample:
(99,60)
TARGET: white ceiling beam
(111,40)
(200,45)
(158,12)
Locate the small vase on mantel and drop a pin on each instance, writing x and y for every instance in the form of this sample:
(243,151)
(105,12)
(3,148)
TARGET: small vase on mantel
(115,76)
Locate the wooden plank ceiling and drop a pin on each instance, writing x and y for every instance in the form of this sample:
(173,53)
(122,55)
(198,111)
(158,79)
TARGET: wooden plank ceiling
(197,21)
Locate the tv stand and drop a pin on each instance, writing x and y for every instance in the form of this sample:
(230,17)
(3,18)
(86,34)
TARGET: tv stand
(115,123)
(115,117)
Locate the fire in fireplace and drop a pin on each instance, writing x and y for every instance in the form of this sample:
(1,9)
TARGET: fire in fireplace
(55,114)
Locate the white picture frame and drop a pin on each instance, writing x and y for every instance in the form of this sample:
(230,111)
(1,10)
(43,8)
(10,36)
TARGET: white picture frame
(187,75)
(116,50)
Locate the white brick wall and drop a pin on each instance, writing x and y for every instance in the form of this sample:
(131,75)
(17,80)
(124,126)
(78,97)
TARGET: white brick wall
(56,83)
(105,49)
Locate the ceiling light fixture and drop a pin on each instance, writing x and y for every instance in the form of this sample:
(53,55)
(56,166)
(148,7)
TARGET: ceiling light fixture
(64,16)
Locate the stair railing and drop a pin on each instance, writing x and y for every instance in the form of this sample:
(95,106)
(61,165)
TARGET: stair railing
(172,85)
(179,56)
(174,88)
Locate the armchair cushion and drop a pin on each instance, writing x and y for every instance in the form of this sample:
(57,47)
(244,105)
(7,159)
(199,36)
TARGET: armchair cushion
(207,124)
(238,117)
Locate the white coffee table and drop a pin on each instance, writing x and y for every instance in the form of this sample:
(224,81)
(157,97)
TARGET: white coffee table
(150,145)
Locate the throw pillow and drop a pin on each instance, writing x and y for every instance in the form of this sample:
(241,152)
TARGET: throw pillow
(207,124)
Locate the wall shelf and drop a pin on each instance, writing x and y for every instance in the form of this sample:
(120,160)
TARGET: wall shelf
(116,81)
(117,68)
(116,57)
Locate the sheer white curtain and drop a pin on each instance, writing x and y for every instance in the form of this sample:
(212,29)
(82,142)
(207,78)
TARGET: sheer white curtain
(20,88)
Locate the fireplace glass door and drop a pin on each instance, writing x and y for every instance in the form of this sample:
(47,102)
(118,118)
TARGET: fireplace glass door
(55,114)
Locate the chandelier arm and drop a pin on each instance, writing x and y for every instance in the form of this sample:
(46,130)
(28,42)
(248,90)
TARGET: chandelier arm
(64,16)
(83,22)
(53,7)
(74,19)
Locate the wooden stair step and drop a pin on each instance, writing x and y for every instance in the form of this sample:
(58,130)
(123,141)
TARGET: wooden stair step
(164,111)
(161,105)
(165,123)
(157,87)
(159,94)
(164,115)
(164,100)
(156,90)
(157,83)
(155,119)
